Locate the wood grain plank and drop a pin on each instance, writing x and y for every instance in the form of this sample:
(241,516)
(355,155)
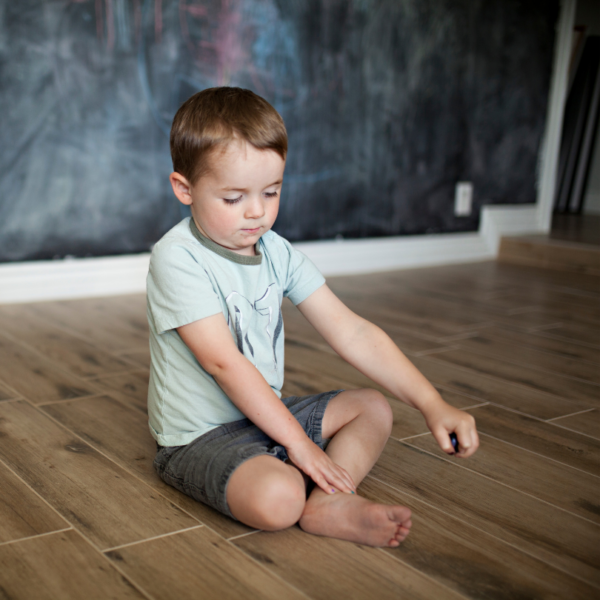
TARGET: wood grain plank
(560,485)
(321,371)
(130,388)
(60,565)
(417,323)
(100,319)
(69,351)
(524,375)
(138,356)
(587,423)
(548,533)
(36,378)
(561,445)
(121,433)
(22,512)
(198,564)
(541,251)
(94,494)
(491,389)
(572,332)
(519,352)
(553,301)
(7,393)
(325,568)
(469,560)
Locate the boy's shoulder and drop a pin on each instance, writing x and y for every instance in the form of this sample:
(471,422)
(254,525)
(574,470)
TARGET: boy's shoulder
(276,245)
(178,234)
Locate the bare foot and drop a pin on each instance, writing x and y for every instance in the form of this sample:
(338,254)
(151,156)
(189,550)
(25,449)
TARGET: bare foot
(352,518)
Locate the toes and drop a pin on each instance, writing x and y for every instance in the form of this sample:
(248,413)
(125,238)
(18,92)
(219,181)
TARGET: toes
(393,543)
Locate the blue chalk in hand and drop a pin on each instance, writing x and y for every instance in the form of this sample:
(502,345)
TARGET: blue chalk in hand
(454,441)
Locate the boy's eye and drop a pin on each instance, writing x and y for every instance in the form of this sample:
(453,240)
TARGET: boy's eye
(271,194)
(232,200)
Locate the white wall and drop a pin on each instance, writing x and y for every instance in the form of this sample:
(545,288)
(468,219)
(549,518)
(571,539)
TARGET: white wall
(588,14)
(591,200)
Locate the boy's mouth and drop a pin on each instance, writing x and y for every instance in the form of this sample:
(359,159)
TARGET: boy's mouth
(255,230)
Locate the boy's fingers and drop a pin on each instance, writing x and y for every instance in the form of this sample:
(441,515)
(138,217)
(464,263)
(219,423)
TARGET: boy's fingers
(473,444)
(340,479)
(344,477)
(442,437)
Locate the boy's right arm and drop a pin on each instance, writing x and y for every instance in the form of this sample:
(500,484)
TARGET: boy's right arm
(213,346)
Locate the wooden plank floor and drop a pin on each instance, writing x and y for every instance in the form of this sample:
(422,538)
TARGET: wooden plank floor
(83,515)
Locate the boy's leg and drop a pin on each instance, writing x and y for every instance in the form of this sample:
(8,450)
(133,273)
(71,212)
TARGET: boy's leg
(359,423)
(266,493)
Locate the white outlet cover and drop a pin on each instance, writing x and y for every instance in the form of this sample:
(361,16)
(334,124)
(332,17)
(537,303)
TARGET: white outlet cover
(463,198)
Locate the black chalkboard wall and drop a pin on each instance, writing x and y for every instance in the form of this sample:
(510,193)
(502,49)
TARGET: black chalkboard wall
(388,103)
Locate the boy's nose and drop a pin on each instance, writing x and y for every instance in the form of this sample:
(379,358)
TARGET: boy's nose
(255,209)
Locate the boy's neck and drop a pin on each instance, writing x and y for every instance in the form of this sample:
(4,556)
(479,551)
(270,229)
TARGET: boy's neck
(235,257)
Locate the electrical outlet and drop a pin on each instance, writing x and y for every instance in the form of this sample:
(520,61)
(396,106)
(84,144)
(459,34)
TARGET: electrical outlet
(463,198)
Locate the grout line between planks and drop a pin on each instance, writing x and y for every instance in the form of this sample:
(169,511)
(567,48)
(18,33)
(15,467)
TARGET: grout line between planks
(435,350)
(57,363)
(115,566)
(423,574)
(132,371)
(237,537)
(83,337)
(33,537)
(78,531)
(50,506)
(562,338)
(546,327)
(504,485)
(500,357)
(488,376)
(581,412)
(410,437)
(129,472)
(154,537)
(11,389)
(267,569)
(574,431)
(444,387)
(64,400)
(538,454)
(120,466)
(519,412)
(499,539)
(475,406)
(542,350)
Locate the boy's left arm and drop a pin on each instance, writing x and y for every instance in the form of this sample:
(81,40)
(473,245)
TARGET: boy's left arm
(370,350)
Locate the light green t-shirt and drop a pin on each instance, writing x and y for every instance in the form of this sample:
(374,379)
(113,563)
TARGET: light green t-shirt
(191,278)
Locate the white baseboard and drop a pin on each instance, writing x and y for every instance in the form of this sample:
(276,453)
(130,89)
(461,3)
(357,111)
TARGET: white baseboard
(111,276)
(73,278)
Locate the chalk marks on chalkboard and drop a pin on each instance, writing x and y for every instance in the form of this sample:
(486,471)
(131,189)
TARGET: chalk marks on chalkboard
(387,103)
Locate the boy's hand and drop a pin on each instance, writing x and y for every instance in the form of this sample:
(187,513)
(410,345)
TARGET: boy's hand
(443,419)
(312,461)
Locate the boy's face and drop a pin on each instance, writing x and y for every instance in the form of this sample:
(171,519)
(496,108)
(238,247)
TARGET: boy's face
(237,201)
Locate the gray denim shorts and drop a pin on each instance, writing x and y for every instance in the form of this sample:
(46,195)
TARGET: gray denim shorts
(202,468)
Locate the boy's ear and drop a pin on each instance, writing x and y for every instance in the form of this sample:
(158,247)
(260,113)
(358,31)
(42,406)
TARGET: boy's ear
(181,188)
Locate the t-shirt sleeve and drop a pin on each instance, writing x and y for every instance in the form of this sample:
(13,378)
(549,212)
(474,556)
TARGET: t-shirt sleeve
(179,288)
(303,278)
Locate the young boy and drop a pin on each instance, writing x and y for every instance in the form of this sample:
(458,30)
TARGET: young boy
(215,287)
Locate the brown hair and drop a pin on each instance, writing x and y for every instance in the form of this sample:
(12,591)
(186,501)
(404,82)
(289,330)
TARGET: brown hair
(214,117)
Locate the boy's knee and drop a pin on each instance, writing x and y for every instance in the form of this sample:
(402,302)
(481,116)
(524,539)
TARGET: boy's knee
(379,410)
(281,503)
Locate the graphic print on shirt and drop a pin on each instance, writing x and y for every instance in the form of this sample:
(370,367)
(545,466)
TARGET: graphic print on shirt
(267,309)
